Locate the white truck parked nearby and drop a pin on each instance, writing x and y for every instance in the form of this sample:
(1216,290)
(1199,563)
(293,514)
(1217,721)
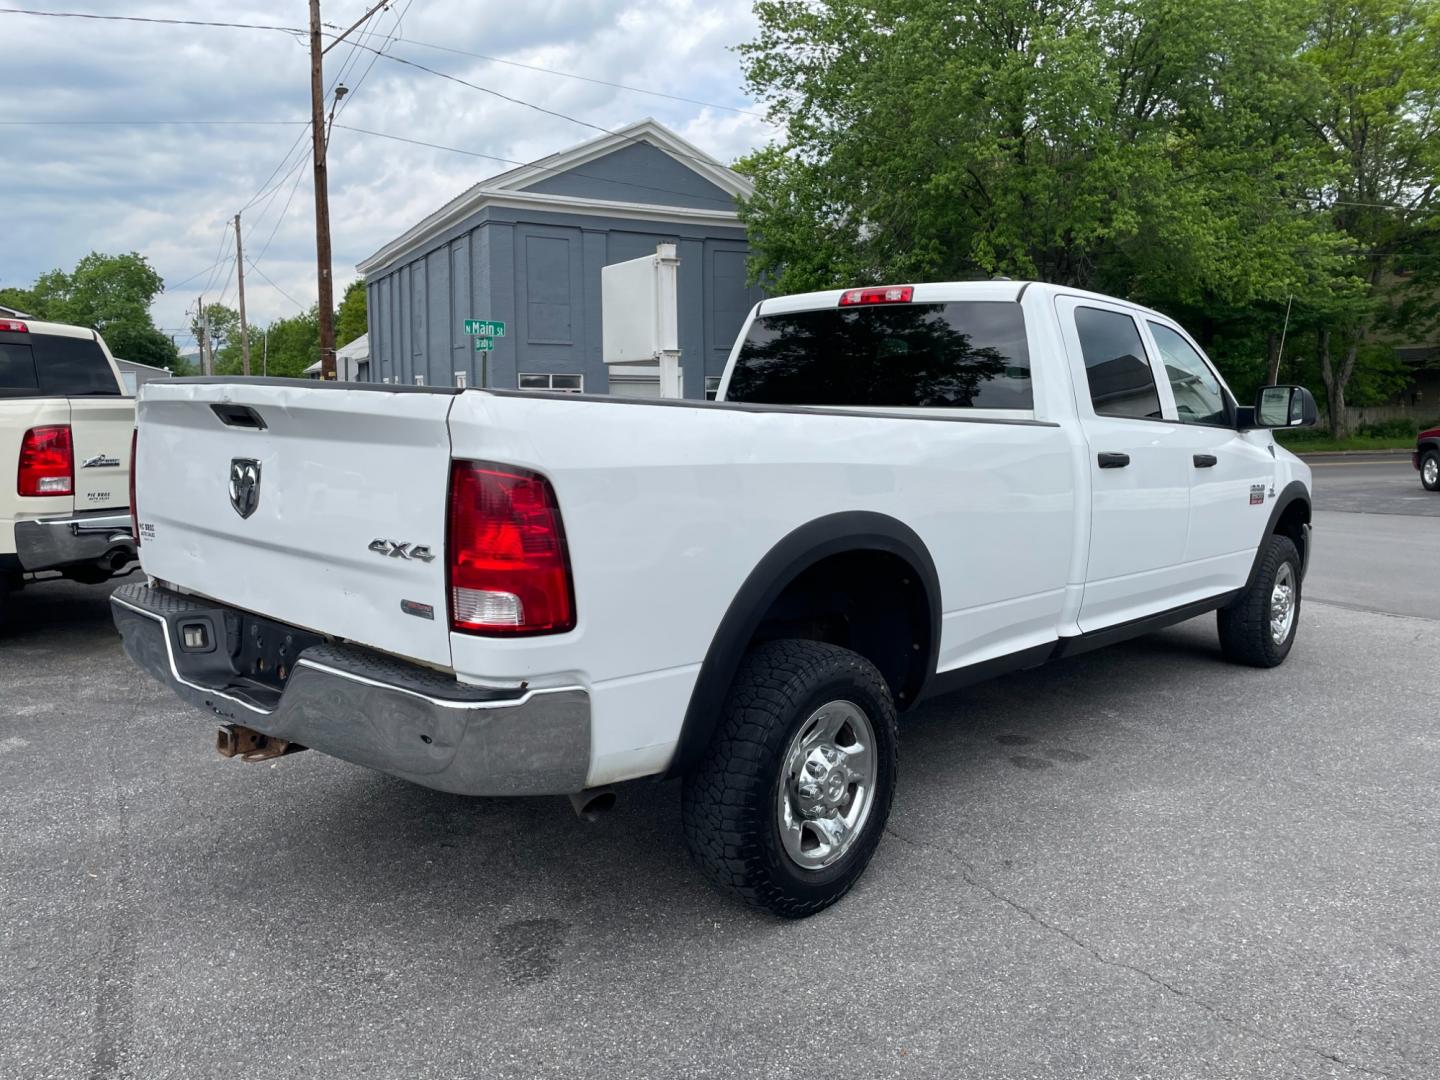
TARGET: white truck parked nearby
(65,434)
(901,490)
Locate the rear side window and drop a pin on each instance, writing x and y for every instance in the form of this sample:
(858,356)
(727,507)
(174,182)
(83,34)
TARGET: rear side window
(48,365)
(17,371)
(970,354)
(1121,380)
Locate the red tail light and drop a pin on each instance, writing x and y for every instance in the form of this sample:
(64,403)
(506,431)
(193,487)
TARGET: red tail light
(134,506)
(885,294)
(47,462)
(509,566)
(13,326)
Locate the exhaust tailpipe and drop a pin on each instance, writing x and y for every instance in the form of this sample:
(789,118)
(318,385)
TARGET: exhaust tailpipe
(591,804)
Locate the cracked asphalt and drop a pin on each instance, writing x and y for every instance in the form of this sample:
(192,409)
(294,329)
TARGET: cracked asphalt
(1138,863)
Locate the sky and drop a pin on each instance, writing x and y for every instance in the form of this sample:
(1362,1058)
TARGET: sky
(70,185)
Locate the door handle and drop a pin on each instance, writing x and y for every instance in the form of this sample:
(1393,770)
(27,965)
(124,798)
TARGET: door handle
(1114,461)
(1205,461)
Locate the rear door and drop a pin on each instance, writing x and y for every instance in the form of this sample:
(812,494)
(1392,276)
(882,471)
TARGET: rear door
(323,507)
(1138,463)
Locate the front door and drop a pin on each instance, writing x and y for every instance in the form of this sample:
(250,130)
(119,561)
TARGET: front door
(1139,467)
(1232,473)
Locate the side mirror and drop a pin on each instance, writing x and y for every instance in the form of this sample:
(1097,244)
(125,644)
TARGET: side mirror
(1284,407)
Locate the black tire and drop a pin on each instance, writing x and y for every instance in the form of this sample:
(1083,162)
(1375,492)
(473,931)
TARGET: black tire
(1429,456)
(730,803)
(1246,635)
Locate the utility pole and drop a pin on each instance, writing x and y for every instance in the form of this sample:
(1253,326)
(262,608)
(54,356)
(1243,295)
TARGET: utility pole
(240,281)
(322,199)
(207,365)
(319,137)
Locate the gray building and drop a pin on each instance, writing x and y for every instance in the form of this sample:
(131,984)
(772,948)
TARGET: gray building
(526,248)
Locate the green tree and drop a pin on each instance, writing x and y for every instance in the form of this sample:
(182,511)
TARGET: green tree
(111,293)
(350,319)
(286,347)
(1378,65)
(1135,146)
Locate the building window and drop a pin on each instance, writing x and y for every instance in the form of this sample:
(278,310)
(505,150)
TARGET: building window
(566,384)
(712,387)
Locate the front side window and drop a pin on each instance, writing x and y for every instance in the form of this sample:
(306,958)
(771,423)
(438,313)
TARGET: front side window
(1199,398)
(967,354)
(1121,380)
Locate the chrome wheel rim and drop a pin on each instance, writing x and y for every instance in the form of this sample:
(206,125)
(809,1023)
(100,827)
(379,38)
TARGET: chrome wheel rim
(1282,604)
(1431,470)
(827,785)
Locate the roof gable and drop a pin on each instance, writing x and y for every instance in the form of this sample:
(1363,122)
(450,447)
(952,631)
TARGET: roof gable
(643,171)
(640,173)
(646,139)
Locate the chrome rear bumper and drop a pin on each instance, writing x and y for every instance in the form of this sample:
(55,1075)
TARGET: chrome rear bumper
(372,709)
(52,543)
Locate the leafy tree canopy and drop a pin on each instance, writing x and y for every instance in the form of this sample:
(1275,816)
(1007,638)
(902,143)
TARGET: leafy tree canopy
(1196,157)
(350,319)
(111,293)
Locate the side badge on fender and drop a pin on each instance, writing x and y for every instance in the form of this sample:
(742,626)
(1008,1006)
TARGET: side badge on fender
(1257,494)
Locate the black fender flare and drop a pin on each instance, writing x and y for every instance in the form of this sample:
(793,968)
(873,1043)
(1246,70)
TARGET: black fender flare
(834,534)
(1293,492)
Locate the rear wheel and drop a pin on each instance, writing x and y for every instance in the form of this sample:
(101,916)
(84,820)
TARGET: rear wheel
(788,804)
(1430,470)
(1259,627)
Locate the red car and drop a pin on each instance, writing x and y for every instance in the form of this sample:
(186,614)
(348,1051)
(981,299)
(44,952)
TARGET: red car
(1427,458)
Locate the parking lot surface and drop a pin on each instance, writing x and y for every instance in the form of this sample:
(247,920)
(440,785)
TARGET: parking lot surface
(1142,862)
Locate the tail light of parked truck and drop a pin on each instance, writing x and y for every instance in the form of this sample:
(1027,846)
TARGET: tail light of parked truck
(509,565)
(47,462)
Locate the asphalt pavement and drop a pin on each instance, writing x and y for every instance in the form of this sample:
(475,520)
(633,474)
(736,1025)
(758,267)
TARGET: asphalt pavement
(1142,862)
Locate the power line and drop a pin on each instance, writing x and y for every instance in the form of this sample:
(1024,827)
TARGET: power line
(544,168)
(582,78)
(531,105)
(150,123)
(299,31)
(277,288)
(150,19)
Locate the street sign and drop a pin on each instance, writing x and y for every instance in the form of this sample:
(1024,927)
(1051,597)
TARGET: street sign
(484,328)
(484,344)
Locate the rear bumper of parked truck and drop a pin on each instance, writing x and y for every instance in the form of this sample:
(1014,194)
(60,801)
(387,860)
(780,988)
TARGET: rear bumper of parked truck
(53,543)
(367,707)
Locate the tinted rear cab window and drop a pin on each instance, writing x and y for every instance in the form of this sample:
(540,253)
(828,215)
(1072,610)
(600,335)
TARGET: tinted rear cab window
(49,365)
(962,355)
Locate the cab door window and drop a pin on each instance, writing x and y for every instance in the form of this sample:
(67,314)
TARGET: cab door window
(1199,397)
(1122,383)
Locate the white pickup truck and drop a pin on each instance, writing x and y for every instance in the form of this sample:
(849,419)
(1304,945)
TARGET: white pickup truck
(900,491)
(65,434)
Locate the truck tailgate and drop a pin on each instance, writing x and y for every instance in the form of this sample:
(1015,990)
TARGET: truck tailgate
(345,532)
(100,428)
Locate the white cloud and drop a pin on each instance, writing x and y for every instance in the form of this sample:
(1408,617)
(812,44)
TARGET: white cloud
(168,191)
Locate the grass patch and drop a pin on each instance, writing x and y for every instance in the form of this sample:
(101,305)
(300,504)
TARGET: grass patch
(1308,443)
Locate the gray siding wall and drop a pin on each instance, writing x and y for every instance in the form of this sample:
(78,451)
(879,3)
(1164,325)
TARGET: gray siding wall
(540,274)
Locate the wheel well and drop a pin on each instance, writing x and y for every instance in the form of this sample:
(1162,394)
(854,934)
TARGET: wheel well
(1292,522)
(873,602)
